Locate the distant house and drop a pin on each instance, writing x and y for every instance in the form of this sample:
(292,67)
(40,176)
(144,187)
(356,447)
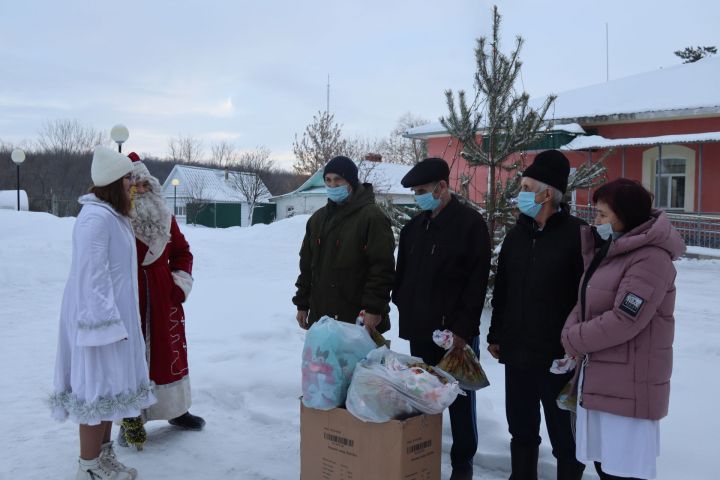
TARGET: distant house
(664,127)
(310,196)
(214,197)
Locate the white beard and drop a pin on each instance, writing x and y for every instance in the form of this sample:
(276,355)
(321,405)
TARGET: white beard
(151,219)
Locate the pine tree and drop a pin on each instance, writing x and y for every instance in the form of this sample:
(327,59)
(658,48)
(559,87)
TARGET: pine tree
(693,54)
(504,119)
(321,141)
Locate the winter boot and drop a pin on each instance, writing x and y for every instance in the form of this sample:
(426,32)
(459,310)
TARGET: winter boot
(569,469)
(121,437)
(524,460)
(134,430)
(188,421)
(96,470)
(108,458)
(461,474)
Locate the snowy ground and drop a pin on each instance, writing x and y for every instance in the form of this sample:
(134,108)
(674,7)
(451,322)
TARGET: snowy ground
(245,348)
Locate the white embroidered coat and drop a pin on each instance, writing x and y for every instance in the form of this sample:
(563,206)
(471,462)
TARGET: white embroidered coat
(100,372)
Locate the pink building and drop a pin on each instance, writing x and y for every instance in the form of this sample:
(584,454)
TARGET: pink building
(664,127)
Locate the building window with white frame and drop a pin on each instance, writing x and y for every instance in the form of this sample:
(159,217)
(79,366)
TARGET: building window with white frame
(670,189)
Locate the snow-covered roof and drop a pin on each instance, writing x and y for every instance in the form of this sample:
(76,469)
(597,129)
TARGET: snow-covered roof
(596,141)
(437,129)
(385,178)
(681,90)
(209,184)
(685,87)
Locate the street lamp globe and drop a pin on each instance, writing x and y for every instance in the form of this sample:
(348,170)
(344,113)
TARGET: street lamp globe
(175,182)
(119,134)
(18,156)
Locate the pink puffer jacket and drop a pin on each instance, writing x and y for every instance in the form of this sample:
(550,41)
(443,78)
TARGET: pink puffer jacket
(629,327)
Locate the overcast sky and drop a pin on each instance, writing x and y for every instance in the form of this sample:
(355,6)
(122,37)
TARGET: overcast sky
(255,72)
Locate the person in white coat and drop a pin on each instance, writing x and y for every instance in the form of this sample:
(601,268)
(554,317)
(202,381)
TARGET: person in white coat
(100,373)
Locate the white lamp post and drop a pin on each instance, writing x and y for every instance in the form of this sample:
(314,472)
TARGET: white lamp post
(18,156)
(175,182)
(119,133)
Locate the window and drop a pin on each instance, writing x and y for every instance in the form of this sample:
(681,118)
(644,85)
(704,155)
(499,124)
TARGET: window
(670,189)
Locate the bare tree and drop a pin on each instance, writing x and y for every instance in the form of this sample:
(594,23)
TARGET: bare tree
(224,153)
(185,149)
(249,181)
(321,141)
(66,136)
(408,151)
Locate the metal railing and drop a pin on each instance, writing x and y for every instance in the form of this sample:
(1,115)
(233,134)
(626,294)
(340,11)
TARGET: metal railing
(696,230)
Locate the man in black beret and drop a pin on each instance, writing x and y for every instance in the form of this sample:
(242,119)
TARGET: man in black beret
(347,260)
(539,269)
(441,278)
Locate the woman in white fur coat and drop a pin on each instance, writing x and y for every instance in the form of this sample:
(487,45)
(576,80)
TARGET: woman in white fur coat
(100,373)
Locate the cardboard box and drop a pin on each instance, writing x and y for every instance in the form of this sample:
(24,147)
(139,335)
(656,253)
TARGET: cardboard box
(334,445)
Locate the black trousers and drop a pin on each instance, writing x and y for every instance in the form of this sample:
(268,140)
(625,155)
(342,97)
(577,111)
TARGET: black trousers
(525,391)
(463,420)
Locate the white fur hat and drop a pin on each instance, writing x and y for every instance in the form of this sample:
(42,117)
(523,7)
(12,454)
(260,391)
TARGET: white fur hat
(108,166)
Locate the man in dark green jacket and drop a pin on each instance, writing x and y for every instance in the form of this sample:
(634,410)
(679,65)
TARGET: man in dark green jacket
(347,261)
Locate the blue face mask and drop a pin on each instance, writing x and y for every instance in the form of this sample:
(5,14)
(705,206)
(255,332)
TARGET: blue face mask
(426,201)
(605,230)
(527,205)
(338,194)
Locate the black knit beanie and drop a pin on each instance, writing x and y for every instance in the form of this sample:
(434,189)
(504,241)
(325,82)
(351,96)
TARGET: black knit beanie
(344,167)
(550,167)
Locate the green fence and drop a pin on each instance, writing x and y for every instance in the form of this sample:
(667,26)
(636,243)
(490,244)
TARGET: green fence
(223,215)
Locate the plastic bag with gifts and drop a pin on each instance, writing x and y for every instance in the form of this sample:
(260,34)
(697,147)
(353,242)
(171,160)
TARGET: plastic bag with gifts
(389,385)
(331,351)
(567,398)
(464,366)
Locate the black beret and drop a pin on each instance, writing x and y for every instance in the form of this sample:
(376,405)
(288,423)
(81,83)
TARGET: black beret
(550,167)
(427,171)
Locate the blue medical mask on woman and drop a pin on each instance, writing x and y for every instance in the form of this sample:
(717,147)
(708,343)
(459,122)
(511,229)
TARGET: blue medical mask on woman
(338,194)
(426,201)
(528,205)
(605,230)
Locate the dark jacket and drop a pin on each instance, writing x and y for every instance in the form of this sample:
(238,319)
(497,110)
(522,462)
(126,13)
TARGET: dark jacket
(442,273)
(536,289)
(346,261)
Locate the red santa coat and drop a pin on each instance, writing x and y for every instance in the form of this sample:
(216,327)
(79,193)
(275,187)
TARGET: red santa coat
(163,321)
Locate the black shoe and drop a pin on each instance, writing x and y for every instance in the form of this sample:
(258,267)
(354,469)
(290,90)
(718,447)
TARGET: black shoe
(188,421)
(461,474)
(570,469)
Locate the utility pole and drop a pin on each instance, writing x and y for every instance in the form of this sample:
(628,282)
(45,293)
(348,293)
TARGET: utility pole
(327,107)
(607,53)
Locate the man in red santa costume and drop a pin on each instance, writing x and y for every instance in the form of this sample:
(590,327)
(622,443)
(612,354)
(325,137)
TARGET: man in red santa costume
(164,269)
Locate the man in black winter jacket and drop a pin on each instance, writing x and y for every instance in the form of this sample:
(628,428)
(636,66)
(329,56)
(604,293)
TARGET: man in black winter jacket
(539,269)
(441,276)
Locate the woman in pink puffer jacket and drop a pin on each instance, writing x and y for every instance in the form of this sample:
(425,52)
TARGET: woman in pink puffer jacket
(622,331)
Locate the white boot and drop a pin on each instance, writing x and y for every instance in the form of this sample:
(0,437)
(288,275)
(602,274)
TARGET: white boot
(108,458)
(96,470)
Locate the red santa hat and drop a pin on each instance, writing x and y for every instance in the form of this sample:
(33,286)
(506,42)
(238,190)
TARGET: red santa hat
(140,173)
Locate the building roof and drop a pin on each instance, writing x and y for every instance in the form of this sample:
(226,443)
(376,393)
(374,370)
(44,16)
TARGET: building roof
(208,184)
(385,178)
(596,141)
(683,90)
